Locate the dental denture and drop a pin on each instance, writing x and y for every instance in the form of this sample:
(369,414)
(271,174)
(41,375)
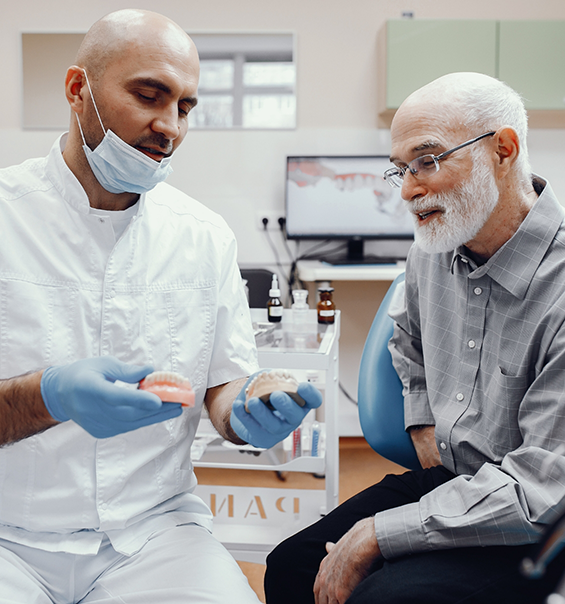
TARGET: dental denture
(170,387)
(264,384)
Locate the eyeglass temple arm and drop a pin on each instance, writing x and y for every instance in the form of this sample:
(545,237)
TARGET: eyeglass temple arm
(474,140)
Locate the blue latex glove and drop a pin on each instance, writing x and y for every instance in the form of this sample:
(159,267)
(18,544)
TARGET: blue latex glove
(84,391)
(264,428)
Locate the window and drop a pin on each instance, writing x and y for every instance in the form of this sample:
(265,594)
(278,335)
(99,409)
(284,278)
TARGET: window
(246,81)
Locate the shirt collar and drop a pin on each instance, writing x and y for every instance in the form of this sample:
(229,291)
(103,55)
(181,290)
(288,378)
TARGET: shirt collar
(516,262)
(66,182)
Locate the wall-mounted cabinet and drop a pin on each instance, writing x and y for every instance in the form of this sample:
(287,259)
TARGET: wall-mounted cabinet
(531,59)
(527,55)
(421,51)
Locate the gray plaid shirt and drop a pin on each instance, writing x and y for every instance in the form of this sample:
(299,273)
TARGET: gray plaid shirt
(481,353)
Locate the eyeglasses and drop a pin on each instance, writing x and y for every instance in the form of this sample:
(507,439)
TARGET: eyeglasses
(425,165)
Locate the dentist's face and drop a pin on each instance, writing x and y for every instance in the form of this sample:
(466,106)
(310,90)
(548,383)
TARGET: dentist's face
(145,95)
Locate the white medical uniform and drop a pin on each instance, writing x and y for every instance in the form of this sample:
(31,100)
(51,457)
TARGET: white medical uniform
(164,289)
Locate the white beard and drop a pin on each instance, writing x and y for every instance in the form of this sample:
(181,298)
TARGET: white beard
(465,211)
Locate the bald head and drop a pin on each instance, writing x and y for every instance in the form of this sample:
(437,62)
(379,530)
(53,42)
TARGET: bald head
(125,31)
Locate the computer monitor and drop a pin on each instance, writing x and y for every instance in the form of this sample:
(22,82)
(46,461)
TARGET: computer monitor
(344,197)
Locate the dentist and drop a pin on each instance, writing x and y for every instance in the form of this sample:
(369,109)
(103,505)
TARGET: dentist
(106,273)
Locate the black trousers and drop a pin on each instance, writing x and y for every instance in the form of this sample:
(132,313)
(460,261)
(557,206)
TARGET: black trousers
(481,575)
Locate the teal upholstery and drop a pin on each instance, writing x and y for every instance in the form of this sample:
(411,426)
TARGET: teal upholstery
(381,404)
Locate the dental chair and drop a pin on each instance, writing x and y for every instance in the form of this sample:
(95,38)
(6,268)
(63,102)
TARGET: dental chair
(381,404)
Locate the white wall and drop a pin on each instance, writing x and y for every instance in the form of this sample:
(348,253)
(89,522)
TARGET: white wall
(239,173)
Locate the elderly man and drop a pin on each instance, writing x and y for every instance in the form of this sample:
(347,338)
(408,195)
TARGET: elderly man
(479,344)
(105,273)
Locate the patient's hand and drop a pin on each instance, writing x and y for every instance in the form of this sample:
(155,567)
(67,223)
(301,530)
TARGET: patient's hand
(348,562)
(425,444)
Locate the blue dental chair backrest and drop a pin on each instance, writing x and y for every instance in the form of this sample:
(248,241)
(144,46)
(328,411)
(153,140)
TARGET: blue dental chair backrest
(381,404)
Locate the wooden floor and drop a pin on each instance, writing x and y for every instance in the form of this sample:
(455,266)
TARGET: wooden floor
(359,467)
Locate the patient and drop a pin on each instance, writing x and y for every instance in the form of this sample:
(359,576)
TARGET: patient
(479,344)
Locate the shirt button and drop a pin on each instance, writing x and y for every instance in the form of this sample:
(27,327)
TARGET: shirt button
(460,396)
(478,291)
(443,446)
(111,293)
(101,220)
(471,343)
(464,260)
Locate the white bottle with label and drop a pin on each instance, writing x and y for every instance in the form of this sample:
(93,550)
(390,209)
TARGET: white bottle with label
(274,304)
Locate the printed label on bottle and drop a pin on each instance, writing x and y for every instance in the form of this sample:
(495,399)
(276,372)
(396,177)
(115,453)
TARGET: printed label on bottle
(276,311)
(297,443)
(315,441)
(327,313)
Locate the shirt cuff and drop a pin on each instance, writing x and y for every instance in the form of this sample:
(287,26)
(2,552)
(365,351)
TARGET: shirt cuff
(399,531)
(417,411)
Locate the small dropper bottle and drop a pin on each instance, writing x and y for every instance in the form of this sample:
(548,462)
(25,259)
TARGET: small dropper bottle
(274,304)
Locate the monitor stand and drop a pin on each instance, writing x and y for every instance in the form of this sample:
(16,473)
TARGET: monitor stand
(356,255)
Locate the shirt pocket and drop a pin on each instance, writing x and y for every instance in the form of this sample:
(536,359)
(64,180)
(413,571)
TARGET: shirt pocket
(500,413)
(43,324)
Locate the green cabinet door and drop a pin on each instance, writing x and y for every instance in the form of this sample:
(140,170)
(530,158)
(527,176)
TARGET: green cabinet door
(419,51)
(532,61)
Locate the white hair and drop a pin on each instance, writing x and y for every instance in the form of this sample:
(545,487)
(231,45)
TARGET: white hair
(493,105)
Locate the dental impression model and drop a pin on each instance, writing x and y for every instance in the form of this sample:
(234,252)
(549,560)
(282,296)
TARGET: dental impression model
(169,387)
(267,382)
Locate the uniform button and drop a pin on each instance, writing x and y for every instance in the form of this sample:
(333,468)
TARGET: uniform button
(471,344)
(460,396)
(111,293)
(464,260)
(478,291)
(443,446)
(101,220)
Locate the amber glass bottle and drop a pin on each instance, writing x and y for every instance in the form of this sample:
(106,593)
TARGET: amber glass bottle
(326,306)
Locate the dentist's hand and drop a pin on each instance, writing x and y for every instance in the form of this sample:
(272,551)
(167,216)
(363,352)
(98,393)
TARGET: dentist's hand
(84,391)
(262,427)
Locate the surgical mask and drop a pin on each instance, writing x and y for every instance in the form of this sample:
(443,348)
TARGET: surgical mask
(119,167)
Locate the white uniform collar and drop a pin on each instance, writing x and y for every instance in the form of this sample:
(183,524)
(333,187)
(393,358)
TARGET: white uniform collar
(66,182)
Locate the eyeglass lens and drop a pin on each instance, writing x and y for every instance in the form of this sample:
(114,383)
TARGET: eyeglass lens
(426,164)
(423,165)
